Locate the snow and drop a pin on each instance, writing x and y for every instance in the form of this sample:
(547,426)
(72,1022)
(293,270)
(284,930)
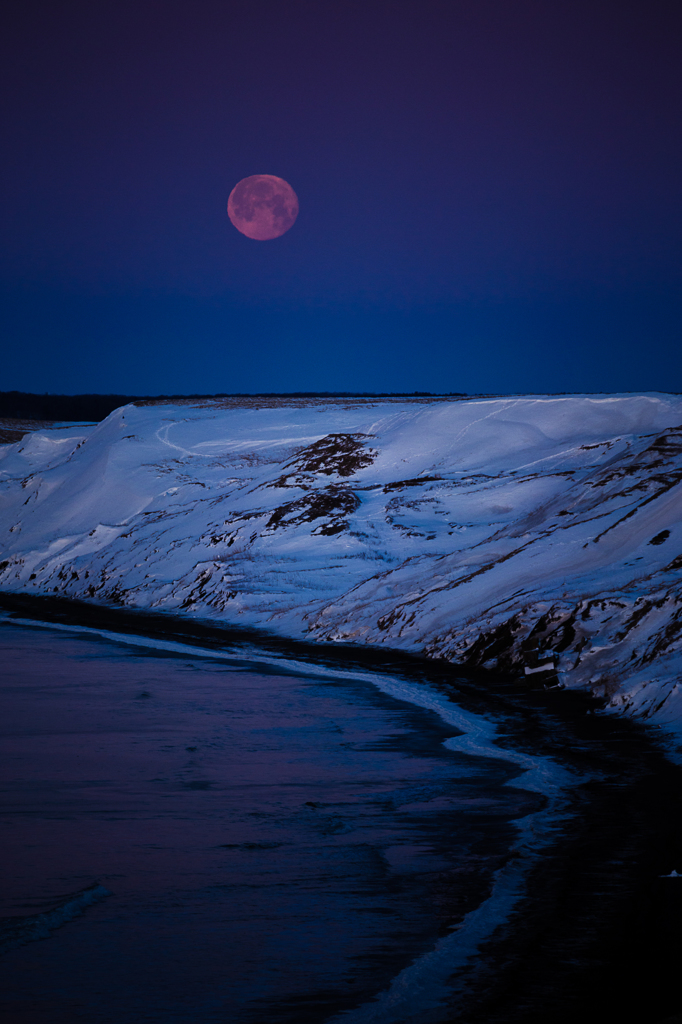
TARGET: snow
(536,534)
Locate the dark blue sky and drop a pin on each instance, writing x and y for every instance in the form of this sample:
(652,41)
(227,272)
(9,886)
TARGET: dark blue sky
(490,195)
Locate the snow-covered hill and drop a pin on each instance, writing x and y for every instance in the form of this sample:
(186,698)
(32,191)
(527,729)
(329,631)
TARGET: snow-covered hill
(537,534)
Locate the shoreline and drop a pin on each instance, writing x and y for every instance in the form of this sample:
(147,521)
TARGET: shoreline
(469,895)
(597,926)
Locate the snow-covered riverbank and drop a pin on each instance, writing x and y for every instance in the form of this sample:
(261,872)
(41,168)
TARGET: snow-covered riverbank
(534,534)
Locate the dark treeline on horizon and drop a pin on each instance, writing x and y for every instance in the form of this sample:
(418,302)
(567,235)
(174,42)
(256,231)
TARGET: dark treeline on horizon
(22,405)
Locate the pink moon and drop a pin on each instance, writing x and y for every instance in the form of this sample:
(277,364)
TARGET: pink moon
(262,206)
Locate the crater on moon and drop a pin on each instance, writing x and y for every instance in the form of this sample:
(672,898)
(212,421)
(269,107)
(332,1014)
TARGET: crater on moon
(262,206)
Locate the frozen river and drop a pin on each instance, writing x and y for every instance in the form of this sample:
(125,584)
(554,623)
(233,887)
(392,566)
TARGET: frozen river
(278,843)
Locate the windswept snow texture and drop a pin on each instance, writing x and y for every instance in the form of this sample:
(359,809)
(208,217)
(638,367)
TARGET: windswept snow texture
(532,534)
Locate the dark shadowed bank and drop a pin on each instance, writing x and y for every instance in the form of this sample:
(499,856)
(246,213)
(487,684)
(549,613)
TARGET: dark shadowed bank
(596,936)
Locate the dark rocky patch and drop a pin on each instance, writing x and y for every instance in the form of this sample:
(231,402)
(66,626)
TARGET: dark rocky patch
(334,455)
(398,485)
(334,503)
(497,644)
(670,442)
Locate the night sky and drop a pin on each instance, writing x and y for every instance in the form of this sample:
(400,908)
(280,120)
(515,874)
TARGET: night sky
(490,196)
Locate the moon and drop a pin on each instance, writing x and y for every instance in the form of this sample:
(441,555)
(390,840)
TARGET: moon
(262,206)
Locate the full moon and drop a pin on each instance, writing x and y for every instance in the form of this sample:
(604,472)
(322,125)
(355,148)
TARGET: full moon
(262,206)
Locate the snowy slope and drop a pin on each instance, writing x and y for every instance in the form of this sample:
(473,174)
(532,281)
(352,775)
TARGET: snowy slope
(531,533)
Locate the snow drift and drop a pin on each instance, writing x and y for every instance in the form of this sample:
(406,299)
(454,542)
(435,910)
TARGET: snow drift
(538,535)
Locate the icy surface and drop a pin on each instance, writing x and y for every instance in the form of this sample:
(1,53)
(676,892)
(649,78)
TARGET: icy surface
(532,534)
